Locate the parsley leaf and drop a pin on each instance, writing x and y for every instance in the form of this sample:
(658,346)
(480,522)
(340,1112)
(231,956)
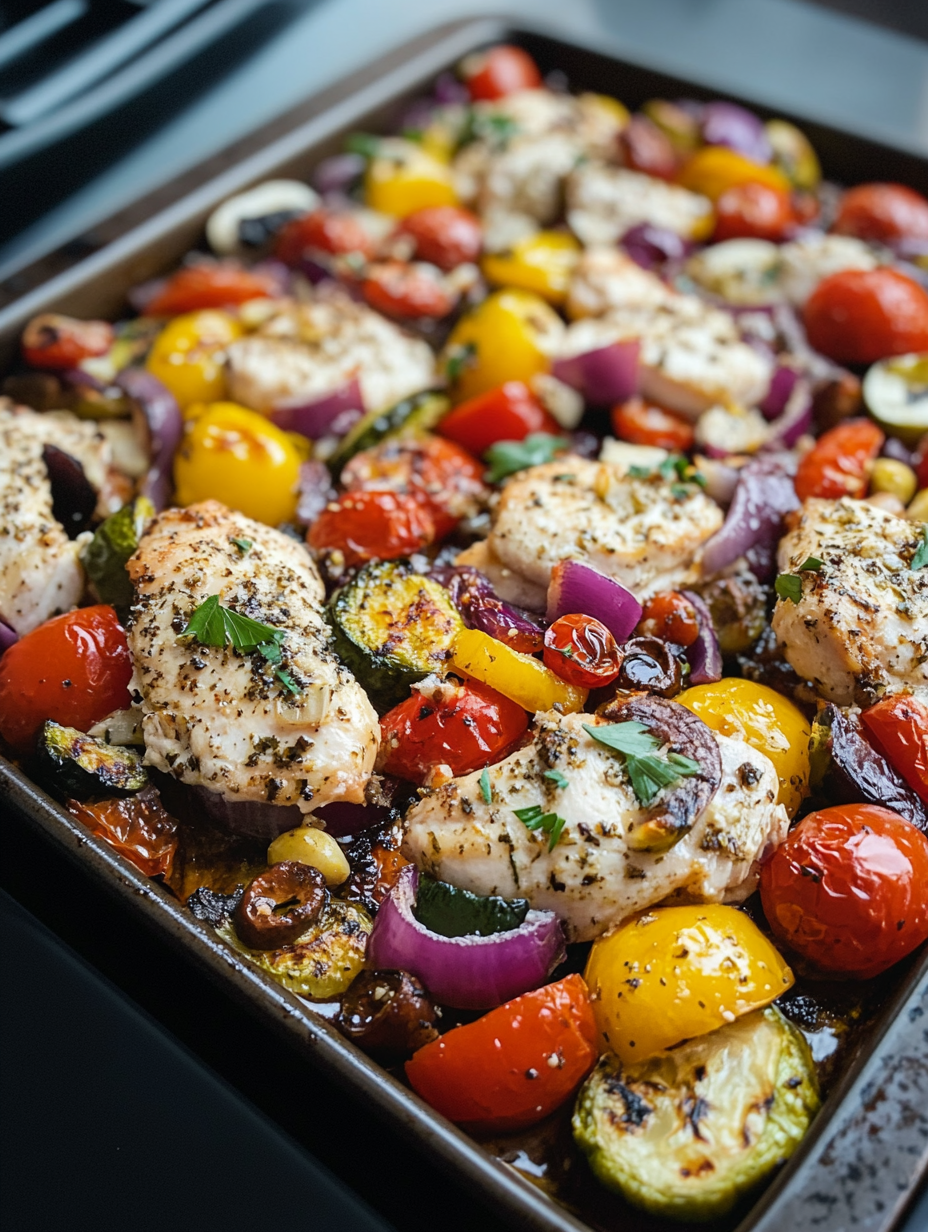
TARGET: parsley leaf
(558,779)
(214,625)
(507,457)
(920,559)
(243,545)
(365,144)
(811,564)
(648,772)
(639,472)
(533,818)
(789,585)
(486,787)
(458,359)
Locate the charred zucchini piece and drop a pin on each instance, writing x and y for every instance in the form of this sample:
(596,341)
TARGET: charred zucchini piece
(417,413)
(322,962)
(76,765)
(104,558)
(686,1133)
(453,912)
(392,627)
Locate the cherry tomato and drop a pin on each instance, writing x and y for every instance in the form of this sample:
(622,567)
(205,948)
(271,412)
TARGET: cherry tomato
(514,1065)
(372,526)
(326,231)
(839,463)
(220,284)
(54,341)
(847,889)
(882,213)
(445,235)
(465,727)
(860,316)
(399,289)
(920,462)
(671,617)
(582,651)
(508,413)
(500,71)
(645,147)
(138,828)
(74,669)
(443,476)
(641,423)
(753,211)
(898,726)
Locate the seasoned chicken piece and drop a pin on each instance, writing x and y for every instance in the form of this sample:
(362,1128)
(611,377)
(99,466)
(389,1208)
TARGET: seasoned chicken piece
(606,278)
(591,878)
(804,263)
(646,533)
(306,350)
(604,202)
(527,177)
(224,720)
(860,628)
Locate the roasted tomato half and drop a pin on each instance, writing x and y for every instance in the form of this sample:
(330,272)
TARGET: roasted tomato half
(860,316)
(840,462)
(883,213)
(582,651)
(372,526)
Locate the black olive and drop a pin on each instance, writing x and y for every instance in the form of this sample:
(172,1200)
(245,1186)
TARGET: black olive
(387,1012)
(279,905)
(650,664)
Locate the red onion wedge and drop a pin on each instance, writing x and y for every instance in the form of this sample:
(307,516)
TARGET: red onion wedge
(331,414)
(795,420)
(782,384)
(243,818)
(157,416)
(604,376)
(576,587)
(736,128)
(342,819)
(8,636)
(763,496)
(654,247)
(474,973)
(473,595)
(704,656)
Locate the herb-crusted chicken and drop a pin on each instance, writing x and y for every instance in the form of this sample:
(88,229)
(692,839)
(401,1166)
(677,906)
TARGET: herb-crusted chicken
(218,718)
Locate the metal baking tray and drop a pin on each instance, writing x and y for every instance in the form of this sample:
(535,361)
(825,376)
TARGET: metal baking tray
(868,1148)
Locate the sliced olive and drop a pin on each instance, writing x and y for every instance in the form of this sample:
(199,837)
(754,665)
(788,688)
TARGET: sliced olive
(387,1012)
(279,905)
(650,664)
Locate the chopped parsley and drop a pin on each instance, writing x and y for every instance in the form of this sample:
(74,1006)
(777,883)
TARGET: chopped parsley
(507,457)
(496,130)
(458,359)
(648,771)
(789,585)
(243,545)
(486,787)
(365,144)
(214,625)
(920,559)
(675,467)
(534,818)
(558,779)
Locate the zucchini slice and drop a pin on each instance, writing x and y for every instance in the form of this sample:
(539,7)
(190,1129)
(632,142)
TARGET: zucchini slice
(687,1132)
(417,413)
(393,627)
(75,765)
(104,558)
(896,393)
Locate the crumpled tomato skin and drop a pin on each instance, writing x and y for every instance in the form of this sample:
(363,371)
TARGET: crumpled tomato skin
(837,466)
(514,1065)
(138,828)
(898,726)
(847,889)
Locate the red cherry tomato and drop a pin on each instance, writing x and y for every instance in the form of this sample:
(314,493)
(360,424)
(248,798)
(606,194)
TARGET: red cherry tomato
(753,211)
(920,462)
(847,889)
(883,213)
(465,727)
(860,316)
(398,289)
(445,235)
(443,476)
(898,726)
(221,284)
(325,231)
(645,147)
(54,341)
(372,526)
(500,71)
(74,669)
(138,828)
(839,463)
(643,424)
(509,413)
(582,651)
(513,1066)
(671,617)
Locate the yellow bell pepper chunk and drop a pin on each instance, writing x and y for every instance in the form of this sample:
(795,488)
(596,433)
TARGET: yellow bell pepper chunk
(714,169)
(236,456)
(187,356)
(404,177)
(677,972)
(610,107)
(542,263)
(511,336)
(762,718)
(517,676)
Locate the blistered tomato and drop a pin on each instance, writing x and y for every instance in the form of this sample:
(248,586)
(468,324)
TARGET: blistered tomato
(898,726)
(332,232)
(671,617)
(713,170)
(765,720)
(839,464)
(403,177)
(860,316)
(401,289)
(219,284)
(509,413)
(641,423)
(511,336)
(55,341)
(138,828)
(445,235)
(500,71)
(187,356)
(465,727)
(582,651)
(847,889)
(753,211)
(677,972)
(646,147)
(74,669)
(513,1066)
(377,525)
(543,263)
(236,456)
(882,213)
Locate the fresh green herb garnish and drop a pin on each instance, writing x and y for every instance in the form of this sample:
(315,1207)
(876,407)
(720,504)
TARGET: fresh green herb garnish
(534,818)
(272,653)
(459,359)
(648,772)
(452,912)
(558,779)
(675,467)
(365,144)
(486,787)
(214,625)
(639,472)
(243,545)
(789,585)
(920,559)
(507,457)
(497,130)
